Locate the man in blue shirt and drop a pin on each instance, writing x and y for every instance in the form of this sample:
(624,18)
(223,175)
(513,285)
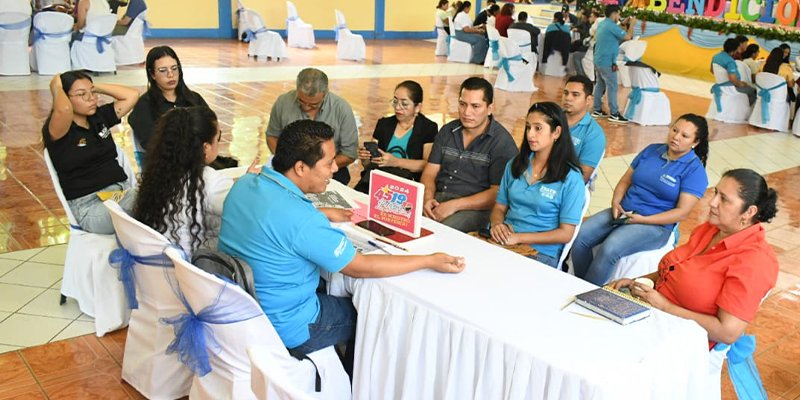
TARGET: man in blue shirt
(725,60)
(587,135)
(268,221)
(135,7)
(606,49)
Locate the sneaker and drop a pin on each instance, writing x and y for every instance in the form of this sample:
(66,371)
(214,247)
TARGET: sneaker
(599,114)
(617,119)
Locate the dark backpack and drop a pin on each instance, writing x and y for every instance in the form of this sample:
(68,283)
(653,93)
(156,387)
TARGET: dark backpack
(226,267)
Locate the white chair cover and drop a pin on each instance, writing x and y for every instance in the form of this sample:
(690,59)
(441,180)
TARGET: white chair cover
(771,110)
(299,34)
(796,125)
(268,381)
(88,277)
(554,65)
(588,64)
(441,38)
(523,40)
(145,364)
(242,22)
(623,73)
(568,246)
(129,48)
(86,53)
(460,52)
(511,63)
(734,106)
(263,42)
(647,104)
(349,46)
(230,376)
(51,36)
(493,55)
(14,31)
(744,71)
(643,262)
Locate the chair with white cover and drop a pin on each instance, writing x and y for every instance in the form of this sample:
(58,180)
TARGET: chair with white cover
(349,45)
(52,32)
(228,321)
(744,71)
(588,63)
(523,40)
(88,278)
(771,110)
(643,262)
(298,33)
(567,247)
(149,280)
(727,105)
(514,75)
(94,51)
(129,48)
(442,41)
(554,65)
(268,380)
(460,52)
(647,104)
(493,55)
(796,124)
(14,30)
(262,42)
(242,22)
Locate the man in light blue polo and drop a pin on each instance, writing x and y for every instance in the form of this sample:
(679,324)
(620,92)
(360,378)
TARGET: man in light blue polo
(587,135)
(725,60)
(607,39)
(269,222)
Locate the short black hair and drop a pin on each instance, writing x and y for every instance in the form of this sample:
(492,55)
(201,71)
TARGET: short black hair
(301,141)
(742,39)
(588,86)
(476,83)
(522,16)
(730,45)
(610,9)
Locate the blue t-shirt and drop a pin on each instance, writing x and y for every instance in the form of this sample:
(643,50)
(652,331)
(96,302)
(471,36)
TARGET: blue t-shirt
(542,207)
(557,27)
(399,147)
(268,222)
(589,140)
(607,39)
(657,182)
(725,60)
(135,7)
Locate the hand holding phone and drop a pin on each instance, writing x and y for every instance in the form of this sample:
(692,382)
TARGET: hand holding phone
(623,219)
(372,147)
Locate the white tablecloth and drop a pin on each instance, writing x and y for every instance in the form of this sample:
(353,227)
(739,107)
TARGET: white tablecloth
(497,331)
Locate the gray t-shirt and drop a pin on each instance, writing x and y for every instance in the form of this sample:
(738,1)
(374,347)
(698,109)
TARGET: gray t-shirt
(465,172)
(333,111)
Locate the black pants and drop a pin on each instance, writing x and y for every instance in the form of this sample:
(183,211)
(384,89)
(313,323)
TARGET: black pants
(342,175)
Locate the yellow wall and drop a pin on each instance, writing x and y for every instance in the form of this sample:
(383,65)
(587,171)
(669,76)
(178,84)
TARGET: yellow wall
(413,15)
(183,14)
(360,15)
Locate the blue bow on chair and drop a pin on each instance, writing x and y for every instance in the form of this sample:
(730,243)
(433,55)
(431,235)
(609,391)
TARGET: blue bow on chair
(145,27)
(507,68)
(495,46)
(716,89)
(38,34)
(194,338)
(123,260)
(448,44)
(635,97)
(100,41)
(13,26)
(251,34)
(766,97)
(742,369)
(336,30)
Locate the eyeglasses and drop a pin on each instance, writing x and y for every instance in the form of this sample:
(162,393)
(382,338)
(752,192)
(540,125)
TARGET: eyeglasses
(85,95)
(310,106)
(403,104)
(166,70)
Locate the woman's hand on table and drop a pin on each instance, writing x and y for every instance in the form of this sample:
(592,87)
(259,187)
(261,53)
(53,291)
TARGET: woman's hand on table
(337,214)
(446,263)
(503,234)
(650,295)
(621,283)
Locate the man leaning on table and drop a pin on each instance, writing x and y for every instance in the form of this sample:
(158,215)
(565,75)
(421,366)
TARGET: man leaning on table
(467,161)
(268,221)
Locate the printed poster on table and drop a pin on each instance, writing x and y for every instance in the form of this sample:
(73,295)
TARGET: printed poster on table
(396,202)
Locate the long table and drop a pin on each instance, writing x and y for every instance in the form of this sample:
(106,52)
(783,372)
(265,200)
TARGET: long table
(498,331)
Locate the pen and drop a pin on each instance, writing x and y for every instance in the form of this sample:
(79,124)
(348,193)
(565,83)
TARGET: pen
(382,240)
(373,244)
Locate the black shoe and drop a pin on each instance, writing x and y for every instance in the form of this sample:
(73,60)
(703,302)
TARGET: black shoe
(617,119)
(599,114)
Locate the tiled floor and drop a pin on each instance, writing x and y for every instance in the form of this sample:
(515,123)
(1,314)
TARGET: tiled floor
(33,227)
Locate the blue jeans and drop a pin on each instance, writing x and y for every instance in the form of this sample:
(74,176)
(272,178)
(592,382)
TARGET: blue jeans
(605,77)
(479,43)
(577,62)
(92,215)
(336,323)
(614,243)
(546,260)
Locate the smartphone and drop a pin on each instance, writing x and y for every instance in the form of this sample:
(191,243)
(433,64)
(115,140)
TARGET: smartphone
(375,228)
(485,232)
(621,220)
(372,147)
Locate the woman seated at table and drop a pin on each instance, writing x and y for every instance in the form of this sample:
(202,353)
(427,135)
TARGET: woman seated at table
(180,195)
(404,139)
(775,65)
(750,58)
(541,196)
(77,136)
(720,276)
(475,36)
(558,24)
(658,190)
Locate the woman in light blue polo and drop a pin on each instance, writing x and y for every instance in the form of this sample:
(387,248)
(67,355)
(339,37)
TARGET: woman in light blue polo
(660,188)
(542,194)
(558,24)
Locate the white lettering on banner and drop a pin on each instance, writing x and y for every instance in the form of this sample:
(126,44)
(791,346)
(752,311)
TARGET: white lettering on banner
(668,180)
(340,248)
(547,192)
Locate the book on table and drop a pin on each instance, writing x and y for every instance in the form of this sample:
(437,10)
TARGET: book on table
(615,305)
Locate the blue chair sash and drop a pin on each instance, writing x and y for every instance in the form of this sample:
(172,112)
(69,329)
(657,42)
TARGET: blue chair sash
(123,260)
(495,46)
(766,97)
(635,97)
(100,41)
(716,89)
(506,67)
(742,369)
(448,45)
(14,26)
(145,27)
(251,34)
(38,34)
(336,30)
(194,339)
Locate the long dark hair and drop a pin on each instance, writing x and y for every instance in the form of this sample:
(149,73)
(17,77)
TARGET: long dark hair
(562,156)
(701,134)
(154,95)
(174,174)
(774,60)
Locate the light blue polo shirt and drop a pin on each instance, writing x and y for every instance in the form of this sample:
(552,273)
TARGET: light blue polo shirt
(542,207)
(607,39)
(589,140)
(268,222)
(725,60)
(657,182)
(557,27)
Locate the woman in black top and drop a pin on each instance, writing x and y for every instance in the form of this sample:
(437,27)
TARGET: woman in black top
(404,139)
(77,136)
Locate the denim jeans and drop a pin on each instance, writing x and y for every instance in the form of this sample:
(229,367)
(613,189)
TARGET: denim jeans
(605,78)
(577,62)
(479,43)
(92,215)
(546,260)
(335,324)
(465,220)
(613,242)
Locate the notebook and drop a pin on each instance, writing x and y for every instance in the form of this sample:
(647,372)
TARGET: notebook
(617,306)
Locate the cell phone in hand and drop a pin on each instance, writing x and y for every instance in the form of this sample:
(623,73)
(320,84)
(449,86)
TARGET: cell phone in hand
(621,220)
(372,148)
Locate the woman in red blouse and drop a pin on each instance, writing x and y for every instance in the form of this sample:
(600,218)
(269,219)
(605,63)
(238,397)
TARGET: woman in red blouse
(720,276)
(504,19)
